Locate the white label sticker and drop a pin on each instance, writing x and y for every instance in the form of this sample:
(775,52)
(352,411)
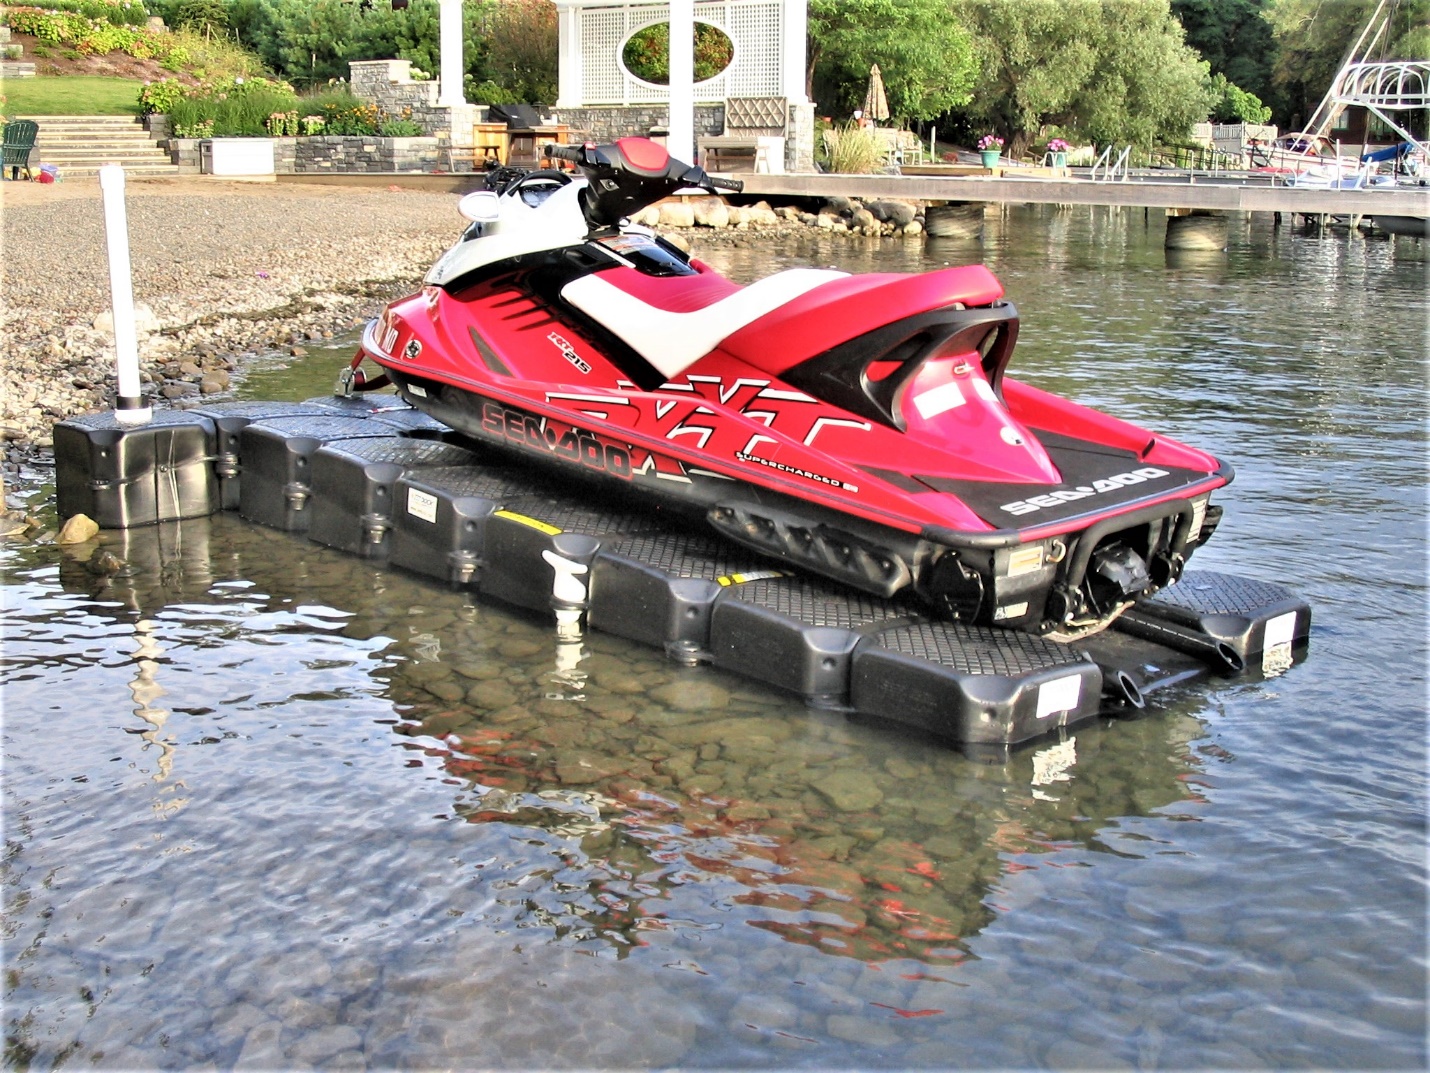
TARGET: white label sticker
(418,390)
(1059,695)
(939,400)
(1276,653)
(422,505)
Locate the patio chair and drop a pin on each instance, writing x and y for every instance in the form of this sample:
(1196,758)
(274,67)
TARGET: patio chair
(19,143)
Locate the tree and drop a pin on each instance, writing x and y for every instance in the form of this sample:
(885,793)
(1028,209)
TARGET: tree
(309,42)
(207,17)
(1234,38)
(1234,104)
(926,57)
(521,40)
(1312,37)
(1110,71)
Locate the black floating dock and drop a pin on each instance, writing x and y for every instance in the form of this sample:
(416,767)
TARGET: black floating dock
(375,478)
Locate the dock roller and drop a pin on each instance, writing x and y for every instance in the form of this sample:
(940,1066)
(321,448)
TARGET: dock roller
(1233,622)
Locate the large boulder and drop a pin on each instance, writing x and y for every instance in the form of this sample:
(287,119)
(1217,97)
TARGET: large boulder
(676,214)
(711,212)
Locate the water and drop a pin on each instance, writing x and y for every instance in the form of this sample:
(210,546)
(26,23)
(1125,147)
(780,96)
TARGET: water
(266,806)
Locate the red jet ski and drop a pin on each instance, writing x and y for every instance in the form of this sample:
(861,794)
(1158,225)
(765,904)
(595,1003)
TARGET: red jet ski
(861,427)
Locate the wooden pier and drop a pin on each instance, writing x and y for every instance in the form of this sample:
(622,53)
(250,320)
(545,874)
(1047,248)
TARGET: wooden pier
(1219,194)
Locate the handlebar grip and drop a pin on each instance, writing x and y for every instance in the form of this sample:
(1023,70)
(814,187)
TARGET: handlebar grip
(733,185)
(564,152)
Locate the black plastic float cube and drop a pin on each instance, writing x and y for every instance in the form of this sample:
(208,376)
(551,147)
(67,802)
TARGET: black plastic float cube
(539,549)
(1265,625)
(277,454)
(660,588)
(440,515)
(353,485)
(973,684)
(123,476)
(795,633)
(230,419)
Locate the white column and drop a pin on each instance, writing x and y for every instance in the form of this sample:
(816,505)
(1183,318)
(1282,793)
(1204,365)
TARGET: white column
(569,60)
(681,143)
(793,27)
(449,25)
(129,406)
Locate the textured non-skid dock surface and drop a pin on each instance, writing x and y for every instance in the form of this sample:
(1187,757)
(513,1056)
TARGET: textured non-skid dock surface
(372,477)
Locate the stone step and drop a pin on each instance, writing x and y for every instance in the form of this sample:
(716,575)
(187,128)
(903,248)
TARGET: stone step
(93,144)
(108,130)
(94,120)
(15,69)
(132,171)
(46,156)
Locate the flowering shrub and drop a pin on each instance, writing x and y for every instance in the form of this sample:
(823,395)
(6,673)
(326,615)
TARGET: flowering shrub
(990,141)
(157,98)
(1057,145)
(282,124)
(89,36)
(199,128)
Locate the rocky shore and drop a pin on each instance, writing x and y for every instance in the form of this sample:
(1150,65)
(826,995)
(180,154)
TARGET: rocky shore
(227,270)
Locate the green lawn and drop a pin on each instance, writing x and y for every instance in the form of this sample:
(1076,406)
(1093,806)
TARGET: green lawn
(70,95)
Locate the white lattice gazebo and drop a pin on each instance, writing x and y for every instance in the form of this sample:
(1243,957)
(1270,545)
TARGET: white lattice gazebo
(769,57)
(768,36)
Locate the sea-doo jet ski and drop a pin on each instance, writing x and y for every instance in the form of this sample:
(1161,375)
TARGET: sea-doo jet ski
(861,427)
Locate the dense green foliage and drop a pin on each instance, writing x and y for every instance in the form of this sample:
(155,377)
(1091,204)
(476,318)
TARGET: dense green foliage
(1234,37)
(1234,105)
(647,53)
(1105,71)
(927,58)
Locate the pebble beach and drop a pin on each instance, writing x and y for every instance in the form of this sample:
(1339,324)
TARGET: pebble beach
(226,270)
(221,270)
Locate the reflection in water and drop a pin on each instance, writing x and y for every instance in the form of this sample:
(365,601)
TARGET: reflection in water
(860,842)
(420,831)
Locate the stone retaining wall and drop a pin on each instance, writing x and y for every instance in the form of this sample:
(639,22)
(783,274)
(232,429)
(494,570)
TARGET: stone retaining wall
(350,154)
(619,121)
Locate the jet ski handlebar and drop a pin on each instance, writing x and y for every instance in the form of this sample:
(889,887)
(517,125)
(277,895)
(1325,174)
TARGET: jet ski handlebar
(629,174)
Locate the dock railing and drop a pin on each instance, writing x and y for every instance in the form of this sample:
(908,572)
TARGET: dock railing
(1113,171)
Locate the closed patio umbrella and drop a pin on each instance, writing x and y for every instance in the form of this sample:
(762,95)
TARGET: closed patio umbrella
(876,102)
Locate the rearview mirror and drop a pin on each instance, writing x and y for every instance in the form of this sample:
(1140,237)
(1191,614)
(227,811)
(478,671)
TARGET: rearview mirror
(480,206)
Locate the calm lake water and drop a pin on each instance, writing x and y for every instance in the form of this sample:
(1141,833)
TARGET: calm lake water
(269,807)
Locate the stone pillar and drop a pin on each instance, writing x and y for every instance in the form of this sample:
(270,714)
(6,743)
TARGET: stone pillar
(450,26)
(680,143)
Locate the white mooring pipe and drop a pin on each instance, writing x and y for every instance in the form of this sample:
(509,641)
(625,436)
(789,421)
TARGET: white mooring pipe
(129,407)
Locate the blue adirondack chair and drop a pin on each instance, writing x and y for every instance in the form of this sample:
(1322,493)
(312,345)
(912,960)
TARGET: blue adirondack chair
(19,143)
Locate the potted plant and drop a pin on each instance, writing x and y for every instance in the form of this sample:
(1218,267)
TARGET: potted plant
(990,146)
(1059,150)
